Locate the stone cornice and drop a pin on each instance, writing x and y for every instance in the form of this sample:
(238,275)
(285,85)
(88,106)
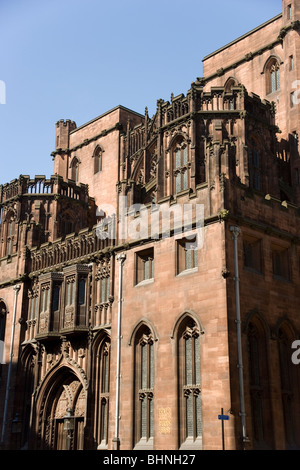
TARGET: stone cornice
(293,26)
(118,126)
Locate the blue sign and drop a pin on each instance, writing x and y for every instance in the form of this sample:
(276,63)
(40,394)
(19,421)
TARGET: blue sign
(223,417)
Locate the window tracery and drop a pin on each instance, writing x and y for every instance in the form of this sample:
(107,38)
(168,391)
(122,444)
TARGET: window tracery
(75,169)
(189,377)
(181,166)
(144,386)
(272,75)
(97,160)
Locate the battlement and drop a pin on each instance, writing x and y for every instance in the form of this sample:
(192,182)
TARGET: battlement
(41,185)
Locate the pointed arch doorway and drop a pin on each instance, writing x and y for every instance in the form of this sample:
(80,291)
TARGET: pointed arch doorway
(62,407)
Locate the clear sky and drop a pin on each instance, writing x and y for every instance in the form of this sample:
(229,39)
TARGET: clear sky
(76,59)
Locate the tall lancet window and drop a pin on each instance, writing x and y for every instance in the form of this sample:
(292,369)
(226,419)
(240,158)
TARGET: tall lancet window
(97,160)
(272,71)
(75,169)
(104,392)
(144,384)
(10,224)
(180,167)
(101,384)
(189,379)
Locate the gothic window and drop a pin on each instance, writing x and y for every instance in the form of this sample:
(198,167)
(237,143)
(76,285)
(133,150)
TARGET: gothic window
(272,76)
(259,387)
(10,227)
(103,283)
(190,409)
(187,254)
(230,83)
(180,167)
(75,170)
(144,386)
(104,394)
(254,166)
(144,265)
(97,160)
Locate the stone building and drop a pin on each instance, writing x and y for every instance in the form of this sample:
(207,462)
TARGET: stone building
(152,283)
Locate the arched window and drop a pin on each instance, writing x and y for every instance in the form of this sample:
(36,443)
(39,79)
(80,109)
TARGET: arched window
(75,169)
(259,387)
(180,166)
(10,228)
(189,388)
(102,371)
(97,160)
(230,83)
(272,71)
(143,386)
(289,389)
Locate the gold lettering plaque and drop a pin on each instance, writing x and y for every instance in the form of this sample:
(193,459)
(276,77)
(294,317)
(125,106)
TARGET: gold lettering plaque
(164,420)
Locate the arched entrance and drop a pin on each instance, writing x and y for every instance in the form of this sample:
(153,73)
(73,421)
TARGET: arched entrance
(61,412)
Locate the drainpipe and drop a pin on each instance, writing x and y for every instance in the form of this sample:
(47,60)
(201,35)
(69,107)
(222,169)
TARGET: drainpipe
(16,289)
(235,233)
(116,440)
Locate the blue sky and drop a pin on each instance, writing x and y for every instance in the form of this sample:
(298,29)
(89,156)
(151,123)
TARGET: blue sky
(76,59)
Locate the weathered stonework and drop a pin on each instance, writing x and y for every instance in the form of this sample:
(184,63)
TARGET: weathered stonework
(130,339)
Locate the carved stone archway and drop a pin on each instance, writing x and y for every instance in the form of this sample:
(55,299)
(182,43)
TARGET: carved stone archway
(63,395)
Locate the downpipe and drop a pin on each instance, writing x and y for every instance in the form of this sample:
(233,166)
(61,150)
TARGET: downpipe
(16,289)
(235,234)
(116,440)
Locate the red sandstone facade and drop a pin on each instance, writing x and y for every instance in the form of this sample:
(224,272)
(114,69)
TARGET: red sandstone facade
(119,332)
